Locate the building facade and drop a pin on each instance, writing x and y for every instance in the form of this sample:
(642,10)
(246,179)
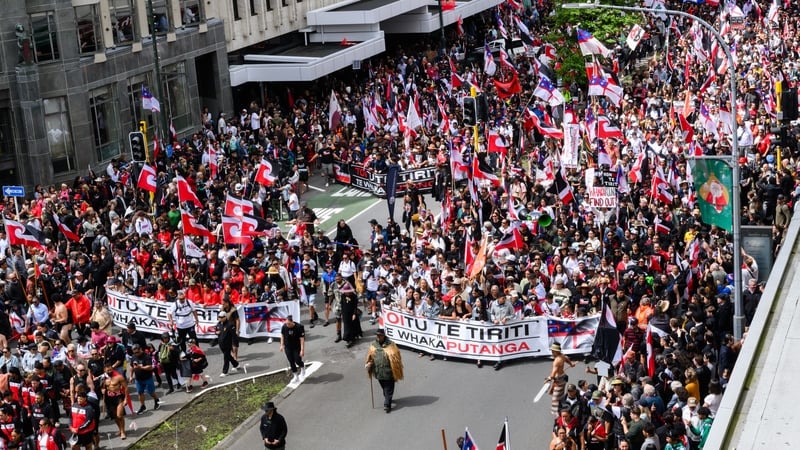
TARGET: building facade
(72,73)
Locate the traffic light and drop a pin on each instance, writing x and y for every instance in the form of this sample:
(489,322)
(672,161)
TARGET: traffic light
(138,146)
(483,108)
(470,111)
(143,126)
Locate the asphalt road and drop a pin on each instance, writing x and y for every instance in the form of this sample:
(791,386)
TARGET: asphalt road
(332,407)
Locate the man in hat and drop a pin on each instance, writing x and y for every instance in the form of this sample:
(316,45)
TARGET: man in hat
(293,344)
(386,364)
(273,428)
(558,377)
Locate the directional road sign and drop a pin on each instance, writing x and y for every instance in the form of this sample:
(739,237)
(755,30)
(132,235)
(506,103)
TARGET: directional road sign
(14,191)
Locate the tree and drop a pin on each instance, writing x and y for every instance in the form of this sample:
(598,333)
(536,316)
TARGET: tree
(608,26)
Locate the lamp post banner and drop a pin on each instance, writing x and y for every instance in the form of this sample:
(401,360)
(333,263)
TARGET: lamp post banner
(469,339)
(713,180)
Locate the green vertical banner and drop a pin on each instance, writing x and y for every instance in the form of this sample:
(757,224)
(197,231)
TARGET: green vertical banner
(713,183)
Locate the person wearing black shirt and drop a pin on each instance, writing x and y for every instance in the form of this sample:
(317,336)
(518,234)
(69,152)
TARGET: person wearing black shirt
(273,428)
(142,373)
(293,343)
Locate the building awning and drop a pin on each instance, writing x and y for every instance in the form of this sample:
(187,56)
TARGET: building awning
(304,62)
(362,12)
(427,20)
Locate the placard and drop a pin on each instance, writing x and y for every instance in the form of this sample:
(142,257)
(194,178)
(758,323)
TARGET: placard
(602,197)
(150,316)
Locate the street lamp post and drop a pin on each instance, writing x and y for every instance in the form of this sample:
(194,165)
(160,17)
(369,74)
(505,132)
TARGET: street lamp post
(738,315)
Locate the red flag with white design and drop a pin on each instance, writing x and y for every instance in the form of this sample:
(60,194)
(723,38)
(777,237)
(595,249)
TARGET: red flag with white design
(18,235)
(192,228)
(64,229)
(147,179)
(232,234)
(478,174)
(237,207)
(497,143)
(185,192)
(660,189)
(264,173)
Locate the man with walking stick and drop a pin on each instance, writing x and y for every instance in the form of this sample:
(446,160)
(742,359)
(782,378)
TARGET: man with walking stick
(385,363)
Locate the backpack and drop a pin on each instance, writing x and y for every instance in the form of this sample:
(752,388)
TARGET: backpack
(164,355)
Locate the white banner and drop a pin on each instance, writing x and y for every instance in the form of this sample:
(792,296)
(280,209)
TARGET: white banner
(528,337)
(602,197)
(150,316)
(572,141)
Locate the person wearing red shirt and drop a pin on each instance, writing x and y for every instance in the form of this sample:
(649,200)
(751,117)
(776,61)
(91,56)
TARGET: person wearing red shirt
(229,292)
(245,297)
(210,296)
(81,309)
(236,279)
(7,422)
(193,291)
(83,423)
(164,236)
(48,437)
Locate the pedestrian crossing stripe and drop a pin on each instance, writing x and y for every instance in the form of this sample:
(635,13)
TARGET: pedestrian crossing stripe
(351,192)
(323,214)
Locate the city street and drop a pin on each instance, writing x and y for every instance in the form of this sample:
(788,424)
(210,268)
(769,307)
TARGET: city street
(332,408)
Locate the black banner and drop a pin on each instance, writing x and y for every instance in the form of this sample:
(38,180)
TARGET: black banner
(359,177)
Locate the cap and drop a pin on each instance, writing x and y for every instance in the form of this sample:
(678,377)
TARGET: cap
(691,401)
(269,406)
(597,395)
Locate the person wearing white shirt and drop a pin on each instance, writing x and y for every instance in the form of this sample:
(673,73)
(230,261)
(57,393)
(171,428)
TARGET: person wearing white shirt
(37,313)
(183,316)
(143,225)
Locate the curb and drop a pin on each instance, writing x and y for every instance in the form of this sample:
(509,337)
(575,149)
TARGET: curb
(253,420)
(285,392)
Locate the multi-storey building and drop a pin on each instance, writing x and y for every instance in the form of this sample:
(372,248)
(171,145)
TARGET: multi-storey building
(72,71)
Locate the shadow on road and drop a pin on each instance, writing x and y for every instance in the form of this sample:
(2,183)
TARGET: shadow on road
(324,378)
(414,400)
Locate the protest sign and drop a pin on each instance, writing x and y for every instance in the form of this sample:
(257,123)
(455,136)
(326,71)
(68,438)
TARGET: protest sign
(150,316)
(527,337)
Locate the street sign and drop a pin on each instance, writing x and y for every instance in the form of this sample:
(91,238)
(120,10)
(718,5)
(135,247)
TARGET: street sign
(14,191)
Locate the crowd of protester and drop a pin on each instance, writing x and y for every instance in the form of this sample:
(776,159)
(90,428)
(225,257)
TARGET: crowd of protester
(62,357)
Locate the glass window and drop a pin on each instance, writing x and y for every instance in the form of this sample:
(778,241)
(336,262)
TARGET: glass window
(176,92)
(252,7)
(90,36)
(135,84)
(235,4)
(6,133)
(45,39)
(56,120)
(122,20)
(269,5)
(160,17)
(190,12)
(105,123)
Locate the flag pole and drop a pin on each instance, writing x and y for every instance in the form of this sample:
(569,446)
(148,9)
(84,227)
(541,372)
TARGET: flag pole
(444,440)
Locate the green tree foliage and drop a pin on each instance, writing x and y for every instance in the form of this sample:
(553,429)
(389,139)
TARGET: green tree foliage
(609,26)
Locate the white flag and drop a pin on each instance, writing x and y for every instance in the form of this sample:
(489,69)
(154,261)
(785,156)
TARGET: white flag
(192,250)
(634,37)
(334,113)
